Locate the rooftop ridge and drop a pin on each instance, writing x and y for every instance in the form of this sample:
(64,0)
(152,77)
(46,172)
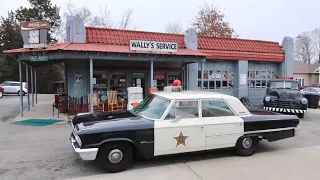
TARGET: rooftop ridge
(134,31)
(240,39)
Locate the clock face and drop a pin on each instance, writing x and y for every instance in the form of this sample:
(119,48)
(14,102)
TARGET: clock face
(34,37)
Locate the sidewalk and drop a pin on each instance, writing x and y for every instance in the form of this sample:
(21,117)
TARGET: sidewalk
(294,164)
(41,110)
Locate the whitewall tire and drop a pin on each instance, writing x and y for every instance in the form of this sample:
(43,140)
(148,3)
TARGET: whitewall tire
(247,146)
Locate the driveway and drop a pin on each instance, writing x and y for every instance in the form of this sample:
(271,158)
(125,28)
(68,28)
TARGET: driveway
(10,106)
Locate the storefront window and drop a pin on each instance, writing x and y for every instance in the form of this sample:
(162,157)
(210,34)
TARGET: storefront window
(118,82)
(100,83)
(159,81)
(259,79)
(216,79)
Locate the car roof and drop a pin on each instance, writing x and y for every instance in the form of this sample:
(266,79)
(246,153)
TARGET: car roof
(190,95)
(237,106)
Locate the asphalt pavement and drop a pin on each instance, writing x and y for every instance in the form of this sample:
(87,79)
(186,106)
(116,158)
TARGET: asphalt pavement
(10,106)
(40,153)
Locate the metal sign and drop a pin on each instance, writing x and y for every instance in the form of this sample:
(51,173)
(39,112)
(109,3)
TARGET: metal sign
(137,45)
(39,58)
(30,46)
(33,25)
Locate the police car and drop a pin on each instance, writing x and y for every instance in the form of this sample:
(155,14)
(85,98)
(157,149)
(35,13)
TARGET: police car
(173,122)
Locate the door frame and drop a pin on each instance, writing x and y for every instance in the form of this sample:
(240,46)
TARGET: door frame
(197,127)
(218,146)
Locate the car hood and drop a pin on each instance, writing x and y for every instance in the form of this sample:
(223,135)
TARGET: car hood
(112,122)
(286,94)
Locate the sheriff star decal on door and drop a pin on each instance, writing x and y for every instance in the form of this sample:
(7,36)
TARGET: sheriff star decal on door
(181,139)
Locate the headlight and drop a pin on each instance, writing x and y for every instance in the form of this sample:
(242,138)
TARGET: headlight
(304,101)
(267,98)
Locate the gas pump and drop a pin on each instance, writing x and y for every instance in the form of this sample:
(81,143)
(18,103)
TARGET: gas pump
(135,96)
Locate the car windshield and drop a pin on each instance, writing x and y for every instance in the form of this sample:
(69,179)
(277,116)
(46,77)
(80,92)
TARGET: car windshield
(152,107)
(284,85)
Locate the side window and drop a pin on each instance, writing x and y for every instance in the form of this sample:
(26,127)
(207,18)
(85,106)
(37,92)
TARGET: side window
(15,84)
(215,108)
(184,109)
(6,84)
(313,90)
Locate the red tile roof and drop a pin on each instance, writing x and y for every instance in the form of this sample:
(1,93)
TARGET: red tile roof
(115,40)
(123,37)
(217,48)
(238,45)
(101,48)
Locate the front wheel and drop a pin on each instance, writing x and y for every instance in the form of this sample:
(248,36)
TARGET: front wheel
(1,94)
(247,146)
(115,157)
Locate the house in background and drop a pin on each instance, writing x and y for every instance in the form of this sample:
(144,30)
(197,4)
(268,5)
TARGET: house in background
(306,74)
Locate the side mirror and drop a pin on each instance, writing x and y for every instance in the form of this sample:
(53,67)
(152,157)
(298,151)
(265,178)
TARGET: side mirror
(176,119)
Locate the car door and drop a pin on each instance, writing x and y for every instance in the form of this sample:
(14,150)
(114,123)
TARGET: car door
(182,129)
(222,126)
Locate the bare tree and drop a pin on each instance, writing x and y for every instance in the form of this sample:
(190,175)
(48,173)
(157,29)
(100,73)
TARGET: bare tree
(303,48)
(126,19)
(315,36)
(174,28)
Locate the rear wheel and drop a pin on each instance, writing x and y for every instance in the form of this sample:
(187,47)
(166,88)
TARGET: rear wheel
(115,157)
(23,93)
(1,94)
(247,146)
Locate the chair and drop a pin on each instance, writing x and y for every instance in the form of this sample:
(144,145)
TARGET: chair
(112,100)
(96,103)
(60,102)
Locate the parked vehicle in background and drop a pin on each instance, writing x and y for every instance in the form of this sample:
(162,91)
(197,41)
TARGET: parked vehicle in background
(315,85)
(1,91)
(311,90)
(284,96)
(13,87)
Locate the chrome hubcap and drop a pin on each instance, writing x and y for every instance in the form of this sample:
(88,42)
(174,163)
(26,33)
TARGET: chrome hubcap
(247,143)
(115,156)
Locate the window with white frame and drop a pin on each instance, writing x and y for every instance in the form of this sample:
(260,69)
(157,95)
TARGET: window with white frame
(258,79)
(301,81)
(216,79)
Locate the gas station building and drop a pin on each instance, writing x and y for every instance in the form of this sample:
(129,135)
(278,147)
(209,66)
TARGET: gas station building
(101,64)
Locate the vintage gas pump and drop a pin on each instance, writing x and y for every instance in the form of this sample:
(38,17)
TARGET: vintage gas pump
(135,96)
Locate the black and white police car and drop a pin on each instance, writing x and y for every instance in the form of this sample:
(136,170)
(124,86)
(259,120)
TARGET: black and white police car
(167,123)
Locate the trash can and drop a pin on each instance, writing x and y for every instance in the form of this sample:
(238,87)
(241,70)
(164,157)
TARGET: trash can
(313,100)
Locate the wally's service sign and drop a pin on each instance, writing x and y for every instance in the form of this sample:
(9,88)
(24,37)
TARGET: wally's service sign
(136,45)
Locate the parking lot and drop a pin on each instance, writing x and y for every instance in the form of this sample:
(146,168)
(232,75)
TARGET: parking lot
(45,153)
(10,106)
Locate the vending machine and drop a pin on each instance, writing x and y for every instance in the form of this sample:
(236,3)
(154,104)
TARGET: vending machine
(135,95)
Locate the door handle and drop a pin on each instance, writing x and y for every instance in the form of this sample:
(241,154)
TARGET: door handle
(201,127)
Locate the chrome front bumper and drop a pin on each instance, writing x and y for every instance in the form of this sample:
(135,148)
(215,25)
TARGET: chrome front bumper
(89,154)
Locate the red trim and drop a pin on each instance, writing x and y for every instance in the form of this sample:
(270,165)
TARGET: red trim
(136,68)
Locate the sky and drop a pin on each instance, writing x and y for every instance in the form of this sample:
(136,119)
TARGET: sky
(270,20)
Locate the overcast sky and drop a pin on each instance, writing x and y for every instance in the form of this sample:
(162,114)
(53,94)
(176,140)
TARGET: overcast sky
(253,19)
